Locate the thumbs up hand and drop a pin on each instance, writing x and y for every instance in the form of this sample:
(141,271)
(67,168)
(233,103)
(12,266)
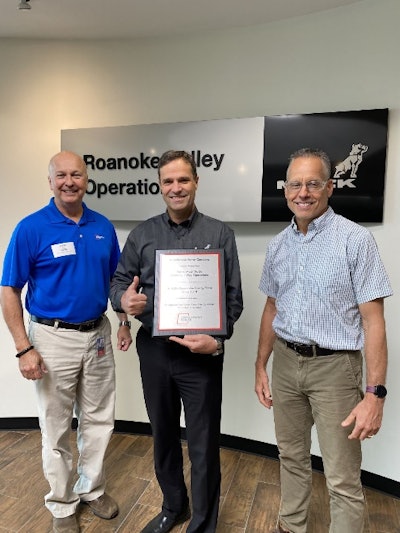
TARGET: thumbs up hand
(133,301)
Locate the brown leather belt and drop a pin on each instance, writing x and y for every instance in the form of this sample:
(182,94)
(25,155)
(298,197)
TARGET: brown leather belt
(83,326)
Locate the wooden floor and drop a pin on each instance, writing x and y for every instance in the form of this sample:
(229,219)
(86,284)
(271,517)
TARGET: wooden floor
(249,496)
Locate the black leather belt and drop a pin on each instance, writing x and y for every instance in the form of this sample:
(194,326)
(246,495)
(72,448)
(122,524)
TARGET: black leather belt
(308,350)
(83,326)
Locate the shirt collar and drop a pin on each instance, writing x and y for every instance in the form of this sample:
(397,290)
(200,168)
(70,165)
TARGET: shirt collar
(318,224)
(186,223)
(56,217)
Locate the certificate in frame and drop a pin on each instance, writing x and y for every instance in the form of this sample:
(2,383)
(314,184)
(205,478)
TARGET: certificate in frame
(189,293)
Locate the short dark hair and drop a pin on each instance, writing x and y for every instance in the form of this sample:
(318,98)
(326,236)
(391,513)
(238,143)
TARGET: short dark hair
(172,155)
(312,152)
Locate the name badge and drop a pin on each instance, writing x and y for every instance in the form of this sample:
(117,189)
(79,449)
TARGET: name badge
(100,347)
(63,248)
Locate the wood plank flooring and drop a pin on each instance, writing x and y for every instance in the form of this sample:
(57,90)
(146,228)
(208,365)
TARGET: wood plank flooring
(249,493)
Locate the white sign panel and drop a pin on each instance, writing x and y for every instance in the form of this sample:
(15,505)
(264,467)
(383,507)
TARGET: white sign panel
(122,166)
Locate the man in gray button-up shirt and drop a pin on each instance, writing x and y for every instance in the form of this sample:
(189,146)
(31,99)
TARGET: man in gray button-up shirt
(176,369)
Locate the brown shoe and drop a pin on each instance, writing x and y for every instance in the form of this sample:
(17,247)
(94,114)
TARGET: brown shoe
(66,525)
(278,529)
(104,507)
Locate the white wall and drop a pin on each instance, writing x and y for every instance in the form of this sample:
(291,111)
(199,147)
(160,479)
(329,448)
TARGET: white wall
(344,59)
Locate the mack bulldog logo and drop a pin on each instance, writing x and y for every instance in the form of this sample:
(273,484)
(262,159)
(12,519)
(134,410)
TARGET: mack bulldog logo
(352,161)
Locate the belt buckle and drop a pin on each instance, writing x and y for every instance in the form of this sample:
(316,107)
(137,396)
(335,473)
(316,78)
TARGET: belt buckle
(304,350)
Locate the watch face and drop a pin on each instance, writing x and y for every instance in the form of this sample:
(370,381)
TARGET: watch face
(380,391)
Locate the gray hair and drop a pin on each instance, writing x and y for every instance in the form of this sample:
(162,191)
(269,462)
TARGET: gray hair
(312,152)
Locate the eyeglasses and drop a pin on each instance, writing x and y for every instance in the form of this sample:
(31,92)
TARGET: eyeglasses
(311,186)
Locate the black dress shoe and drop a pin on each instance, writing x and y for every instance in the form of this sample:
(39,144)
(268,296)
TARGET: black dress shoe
(163,523)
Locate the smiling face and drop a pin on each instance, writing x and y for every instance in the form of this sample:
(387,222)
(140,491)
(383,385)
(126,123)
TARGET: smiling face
(304,203)
(68,180)
(178,188)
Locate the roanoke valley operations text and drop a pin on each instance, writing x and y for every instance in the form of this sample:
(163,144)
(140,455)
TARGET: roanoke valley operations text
(140,187)
(143,161)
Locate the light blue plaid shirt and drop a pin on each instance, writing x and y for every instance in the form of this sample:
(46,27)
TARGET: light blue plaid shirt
(319,279)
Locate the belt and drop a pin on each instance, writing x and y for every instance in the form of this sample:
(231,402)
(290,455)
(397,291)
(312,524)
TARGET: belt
(83,326)
(309,350)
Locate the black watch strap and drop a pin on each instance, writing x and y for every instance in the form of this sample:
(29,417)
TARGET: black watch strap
(379,390)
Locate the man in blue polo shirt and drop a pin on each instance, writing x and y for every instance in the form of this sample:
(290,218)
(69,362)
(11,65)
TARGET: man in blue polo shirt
(67,254)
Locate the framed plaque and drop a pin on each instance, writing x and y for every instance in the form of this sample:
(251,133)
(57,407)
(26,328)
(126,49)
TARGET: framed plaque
(189,292)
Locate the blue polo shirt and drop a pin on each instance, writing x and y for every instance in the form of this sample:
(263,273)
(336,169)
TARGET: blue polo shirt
(67,265)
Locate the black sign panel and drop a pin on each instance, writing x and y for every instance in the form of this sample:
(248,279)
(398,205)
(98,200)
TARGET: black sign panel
(356,143)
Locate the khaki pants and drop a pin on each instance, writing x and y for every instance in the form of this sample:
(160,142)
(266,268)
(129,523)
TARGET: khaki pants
(78,380)
(321,390)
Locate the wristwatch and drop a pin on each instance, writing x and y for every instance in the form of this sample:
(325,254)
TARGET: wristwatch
(220,347)
(379,390)
(125,323)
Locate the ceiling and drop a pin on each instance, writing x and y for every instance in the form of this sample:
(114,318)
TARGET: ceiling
(130,19)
